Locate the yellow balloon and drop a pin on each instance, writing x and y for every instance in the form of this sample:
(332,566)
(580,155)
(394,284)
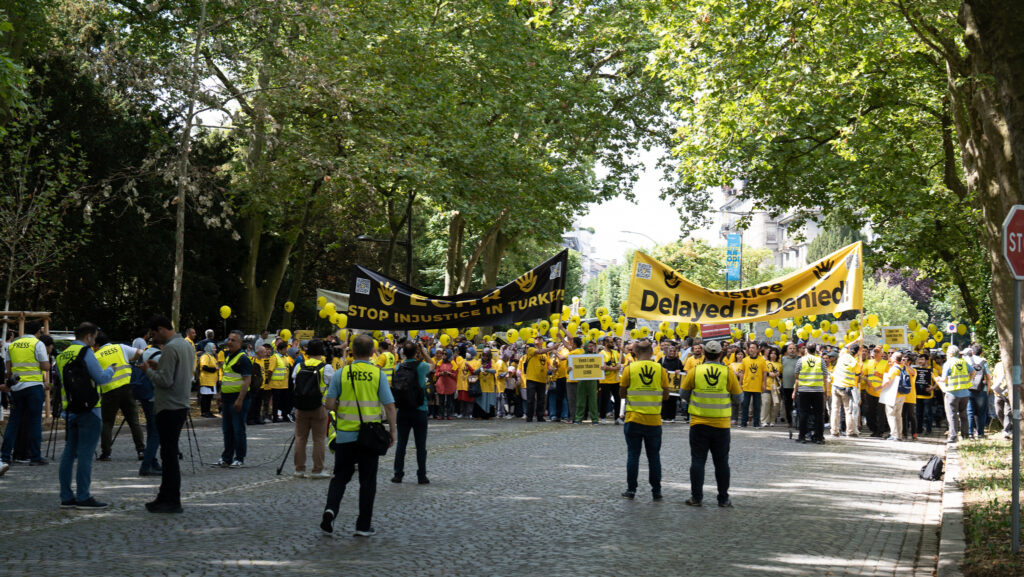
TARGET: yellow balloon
(553,332)
(789,324)
(444,340)
(543,326)
(812,318)
(343,334)
(225,312)
(342,321)
(413,334)
(320,302)
(769,332)
(837,314)
(824,324)
(930,344)
(872,320)
(289,306)
(932,328)
(752,337)
(682,329)
(833,328)
(575,319)
(773,323)
(658,336)
(585,327)
(566,313)
(618,328)
(816,333)
(885,348)
(285,334)
(452,333)
(573,327)
(583,311)
(330,307)
(334,319)
(854,324)
(961,329)
(322,313)
(633,333)
(913,324)
(553,319)
(945,346)
(512,335)
(938,337)
(575,300)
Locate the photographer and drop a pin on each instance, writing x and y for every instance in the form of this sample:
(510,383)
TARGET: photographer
(28,379)
(412,372)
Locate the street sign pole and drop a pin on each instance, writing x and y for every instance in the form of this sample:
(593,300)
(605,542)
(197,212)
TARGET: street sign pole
(1013,252)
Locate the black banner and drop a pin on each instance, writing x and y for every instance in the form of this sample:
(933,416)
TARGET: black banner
(380,302)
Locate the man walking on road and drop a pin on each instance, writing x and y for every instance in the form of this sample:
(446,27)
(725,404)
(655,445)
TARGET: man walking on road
(358,393)
(30,363)
(955,382)
(710,389)
(172,381)
(645,387)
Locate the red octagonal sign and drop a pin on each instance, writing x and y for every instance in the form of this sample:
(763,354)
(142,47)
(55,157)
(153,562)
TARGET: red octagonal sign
(1013,241)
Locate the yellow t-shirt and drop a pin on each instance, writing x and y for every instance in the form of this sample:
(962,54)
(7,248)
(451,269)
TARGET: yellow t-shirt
(611,358)
(536,366)
(473,365)
(561,360)
(643,418)
(489,383)
(754,371)
(570,353)
(874,371)
(691,363)
(774,382)
(733,387)
(894,373)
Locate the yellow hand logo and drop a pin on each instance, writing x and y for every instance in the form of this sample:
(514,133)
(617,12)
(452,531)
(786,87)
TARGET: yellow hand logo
(527,282)
(387,294)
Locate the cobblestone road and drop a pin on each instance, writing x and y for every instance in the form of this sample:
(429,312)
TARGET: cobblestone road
(506,498)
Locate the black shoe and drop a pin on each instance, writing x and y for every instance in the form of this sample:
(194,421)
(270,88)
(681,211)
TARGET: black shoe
(819,441)
(38,463)
(105,457)
(423,481)
(68,504)
(800,440)
(156,468)
(656,497)
(693,502)
(629,494)
(159,507)
(91,503)
(327,522)
(142,455)
(727,504)
(396,479)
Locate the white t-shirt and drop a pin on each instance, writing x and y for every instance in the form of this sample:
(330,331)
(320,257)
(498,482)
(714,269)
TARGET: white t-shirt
(139,343)
(34,381)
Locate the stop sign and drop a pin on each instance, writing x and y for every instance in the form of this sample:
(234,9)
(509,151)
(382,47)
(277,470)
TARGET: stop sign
(1013,241)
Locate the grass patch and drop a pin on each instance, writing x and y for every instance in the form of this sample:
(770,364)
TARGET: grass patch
(985,477)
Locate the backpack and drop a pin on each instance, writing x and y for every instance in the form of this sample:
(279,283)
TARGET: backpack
(405,387)
(307,388)
(980,370)
(81,392)
(932,471)
(256,381)
(904,385)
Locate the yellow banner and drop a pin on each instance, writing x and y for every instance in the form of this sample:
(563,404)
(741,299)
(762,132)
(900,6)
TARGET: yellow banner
(833,284)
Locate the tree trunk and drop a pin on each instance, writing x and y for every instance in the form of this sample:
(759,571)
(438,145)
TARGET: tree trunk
(298,277)
(493,254)
(987,90)
(467,274)
(453,259)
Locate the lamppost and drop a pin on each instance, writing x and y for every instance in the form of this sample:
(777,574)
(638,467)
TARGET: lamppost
(653,242)
(408,253)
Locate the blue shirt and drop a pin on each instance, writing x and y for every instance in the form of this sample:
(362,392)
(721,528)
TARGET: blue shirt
(334,391)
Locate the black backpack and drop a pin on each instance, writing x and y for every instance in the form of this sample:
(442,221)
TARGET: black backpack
(307,388)
(82,394)
(932,471)
(256,381)
(405,387)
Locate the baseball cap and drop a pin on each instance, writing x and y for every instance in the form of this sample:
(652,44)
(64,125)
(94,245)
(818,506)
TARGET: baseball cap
(713,347)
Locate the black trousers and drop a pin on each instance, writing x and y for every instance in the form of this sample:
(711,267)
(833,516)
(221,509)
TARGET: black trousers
(609,392)
(812,404)
(168,426)
(704,439)
(346,456)
(787,402)
(869,408)
(413,420)
(536,401)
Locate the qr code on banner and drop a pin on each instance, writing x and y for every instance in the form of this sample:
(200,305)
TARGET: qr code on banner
(556,270)
(852,262)
(643,270)
(362,286)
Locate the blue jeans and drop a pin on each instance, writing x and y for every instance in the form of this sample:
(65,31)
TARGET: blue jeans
(650,438)
(233,427)
(152,437)
(705,438)
(745,406)
(925,415)
(28,405)
(977,413)
(83,433)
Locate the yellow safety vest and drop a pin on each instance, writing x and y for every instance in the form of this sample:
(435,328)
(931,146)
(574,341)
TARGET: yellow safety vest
(959,378)
(359,385)
(710,397)
(644,392)
(812,372)
(23,359)
(231,382)
(63,359)
(113,356)
(844,371)
(280,370)
(389,364)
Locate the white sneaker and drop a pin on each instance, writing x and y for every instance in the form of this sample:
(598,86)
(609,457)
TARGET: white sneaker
(321,475)
(368,533)
(3,468)
(222,463)
(236,464)
(301,475)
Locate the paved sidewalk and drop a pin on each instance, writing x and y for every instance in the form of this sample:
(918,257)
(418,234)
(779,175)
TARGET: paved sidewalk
(506,498)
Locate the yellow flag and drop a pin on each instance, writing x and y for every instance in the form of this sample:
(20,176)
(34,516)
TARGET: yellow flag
(831,285)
